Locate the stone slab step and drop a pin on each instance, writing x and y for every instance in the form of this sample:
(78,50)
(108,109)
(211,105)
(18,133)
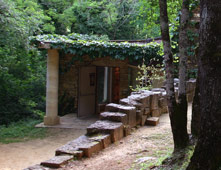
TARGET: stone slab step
(85,145)
(141,117)
(57,161)
(115,129)
(164,109)
(155,100)
(142,97)
(153,121)
(130,102)
(37,167)
(143,120)
(156,112)
(105,139)
(115,117)
(139,114)
(127,130)
(147,111)
(129,110)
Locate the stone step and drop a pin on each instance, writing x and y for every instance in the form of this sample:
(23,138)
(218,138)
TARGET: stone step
(85,145)
(164,109)
(143,120)
(129,110)
(115,129)
(155,100)
(127,130)
(57,161)
(115,117)
(156,112)
(130,102)
(37,167)
(153,121)
(141,117)
(143,97)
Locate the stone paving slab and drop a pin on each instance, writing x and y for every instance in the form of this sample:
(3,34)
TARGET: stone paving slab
(115,129)
(37,167)
(85,145)
(130,102)
(57,161)
(129,110)
(143,98)
(115,117)
(153,121)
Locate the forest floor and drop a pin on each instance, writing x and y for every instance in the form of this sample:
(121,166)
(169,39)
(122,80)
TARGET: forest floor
(145,148)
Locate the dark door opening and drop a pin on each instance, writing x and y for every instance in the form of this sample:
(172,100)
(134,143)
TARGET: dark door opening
(108,86)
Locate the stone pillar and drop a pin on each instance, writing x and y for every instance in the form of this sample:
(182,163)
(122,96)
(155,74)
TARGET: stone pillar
(51,117)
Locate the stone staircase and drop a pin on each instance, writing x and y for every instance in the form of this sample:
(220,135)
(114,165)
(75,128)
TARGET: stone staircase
(138,109)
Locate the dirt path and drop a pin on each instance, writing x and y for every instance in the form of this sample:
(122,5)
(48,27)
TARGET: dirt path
(144,143)
(17,156)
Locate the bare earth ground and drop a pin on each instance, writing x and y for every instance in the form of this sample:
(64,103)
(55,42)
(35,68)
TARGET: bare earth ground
(146,144)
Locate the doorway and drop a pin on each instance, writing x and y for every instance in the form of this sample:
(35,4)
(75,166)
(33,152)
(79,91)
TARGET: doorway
(98,86)
(87,91)
(108,87)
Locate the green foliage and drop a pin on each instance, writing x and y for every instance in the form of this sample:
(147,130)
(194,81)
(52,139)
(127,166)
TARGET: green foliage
(134,52)
(148,74)
(75,36)
(113,18)
(21,131)
(22,68)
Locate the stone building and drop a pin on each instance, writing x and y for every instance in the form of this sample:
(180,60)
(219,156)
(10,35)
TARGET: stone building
(84,86)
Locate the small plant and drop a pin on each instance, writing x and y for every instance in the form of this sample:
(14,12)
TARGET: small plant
(149,75)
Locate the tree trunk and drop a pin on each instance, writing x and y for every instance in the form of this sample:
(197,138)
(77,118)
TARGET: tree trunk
(207,154)
(183,44)
(174,111)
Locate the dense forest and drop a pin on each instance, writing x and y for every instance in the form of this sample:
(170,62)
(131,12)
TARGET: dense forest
(23,67)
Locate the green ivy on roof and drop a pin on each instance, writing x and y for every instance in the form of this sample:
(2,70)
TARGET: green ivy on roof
(79,45)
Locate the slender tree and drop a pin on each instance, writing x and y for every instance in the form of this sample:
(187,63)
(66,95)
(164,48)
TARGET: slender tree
(180,136)
(207,154)
(183,44)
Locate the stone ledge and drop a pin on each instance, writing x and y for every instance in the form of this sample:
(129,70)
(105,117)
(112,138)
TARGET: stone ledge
(114,116)
(57,161)
(115,129)
(153,121)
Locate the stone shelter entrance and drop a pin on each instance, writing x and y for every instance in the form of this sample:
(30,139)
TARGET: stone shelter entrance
(84,87)
(83,76)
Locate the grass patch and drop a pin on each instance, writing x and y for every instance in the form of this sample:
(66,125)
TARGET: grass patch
(166,160)
(178,160)
(21,131)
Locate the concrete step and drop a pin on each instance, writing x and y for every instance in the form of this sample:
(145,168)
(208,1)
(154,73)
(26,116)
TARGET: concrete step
(152,121)
(57,161)
(85,145)
(115,117)
(115,129)
(129,110)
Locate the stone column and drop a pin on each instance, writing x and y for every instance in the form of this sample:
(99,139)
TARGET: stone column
(51,117)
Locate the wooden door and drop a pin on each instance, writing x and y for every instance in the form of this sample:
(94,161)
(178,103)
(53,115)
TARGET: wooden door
(87,87)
